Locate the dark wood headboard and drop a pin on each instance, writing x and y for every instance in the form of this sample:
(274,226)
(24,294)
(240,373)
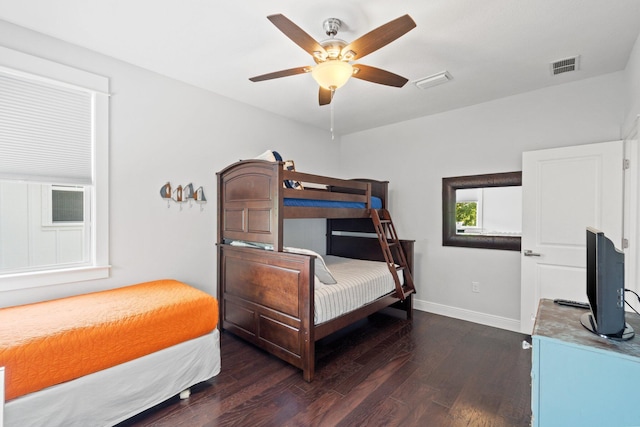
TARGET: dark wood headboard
(251,200)
(363,247)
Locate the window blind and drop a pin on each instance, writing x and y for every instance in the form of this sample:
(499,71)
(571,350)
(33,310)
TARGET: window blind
(45,132)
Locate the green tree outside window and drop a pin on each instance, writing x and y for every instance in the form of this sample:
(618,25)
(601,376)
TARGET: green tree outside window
(466,213)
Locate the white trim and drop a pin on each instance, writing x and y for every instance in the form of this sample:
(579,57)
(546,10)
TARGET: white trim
(630,211)
(13,62)
(100,194)
(468,315)
(33,279)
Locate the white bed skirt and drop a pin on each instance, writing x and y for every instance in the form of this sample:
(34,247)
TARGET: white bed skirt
(110,396)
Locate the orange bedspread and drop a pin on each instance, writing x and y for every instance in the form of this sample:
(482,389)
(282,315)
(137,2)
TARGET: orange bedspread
(47,343)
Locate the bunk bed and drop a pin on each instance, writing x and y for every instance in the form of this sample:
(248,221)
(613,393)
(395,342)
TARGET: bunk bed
(267,297)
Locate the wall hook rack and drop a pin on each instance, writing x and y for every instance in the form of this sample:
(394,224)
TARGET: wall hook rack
(182,194)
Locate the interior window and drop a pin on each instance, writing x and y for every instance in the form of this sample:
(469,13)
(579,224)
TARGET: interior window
(67,204)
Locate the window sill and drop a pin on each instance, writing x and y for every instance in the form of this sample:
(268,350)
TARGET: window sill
(11,282)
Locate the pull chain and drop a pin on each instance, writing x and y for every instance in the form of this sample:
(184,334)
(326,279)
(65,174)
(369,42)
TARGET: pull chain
(333,91)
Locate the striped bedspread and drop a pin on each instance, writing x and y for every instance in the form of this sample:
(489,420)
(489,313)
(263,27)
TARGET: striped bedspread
(359,282)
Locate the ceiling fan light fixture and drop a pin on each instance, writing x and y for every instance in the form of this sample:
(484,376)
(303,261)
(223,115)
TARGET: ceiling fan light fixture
(332,74)
(348,55)
(319,56)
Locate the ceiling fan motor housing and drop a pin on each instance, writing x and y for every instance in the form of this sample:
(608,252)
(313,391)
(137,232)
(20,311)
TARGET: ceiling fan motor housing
(333,49)
(331,26)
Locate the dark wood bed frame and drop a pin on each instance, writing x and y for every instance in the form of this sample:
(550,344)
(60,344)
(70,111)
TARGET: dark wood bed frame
(266,297)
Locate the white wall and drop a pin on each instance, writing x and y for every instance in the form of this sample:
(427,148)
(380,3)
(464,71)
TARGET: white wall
(491,137)
(163,130)
(632,89)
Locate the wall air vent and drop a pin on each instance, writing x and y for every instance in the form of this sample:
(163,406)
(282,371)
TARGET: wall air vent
(565,65)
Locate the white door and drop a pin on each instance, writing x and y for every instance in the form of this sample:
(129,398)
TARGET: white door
(565,190)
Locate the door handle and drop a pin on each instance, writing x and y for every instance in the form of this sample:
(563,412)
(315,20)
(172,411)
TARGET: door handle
(529,252)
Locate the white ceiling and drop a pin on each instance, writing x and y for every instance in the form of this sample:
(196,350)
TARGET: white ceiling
(492,48)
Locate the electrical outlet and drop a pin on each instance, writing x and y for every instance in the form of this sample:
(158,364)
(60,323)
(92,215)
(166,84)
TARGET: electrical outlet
(475,287)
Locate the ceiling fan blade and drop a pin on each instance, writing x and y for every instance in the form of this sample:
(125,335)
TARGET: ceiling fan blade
(377,75)
(380,37)
(281,73)
(296,34)
(324,96)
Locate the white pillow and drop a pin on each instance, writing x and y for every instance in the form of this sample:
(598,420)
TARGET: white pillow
(322,272)
(274,156)
(243,244)
(269,155)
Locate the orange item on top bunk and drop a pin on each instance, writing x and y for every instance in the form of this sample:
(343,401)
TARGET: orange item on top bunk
(51,342)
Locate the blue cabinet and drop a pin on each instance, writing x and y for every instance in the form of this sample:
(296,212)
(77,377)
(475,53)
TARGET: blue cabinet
(579,378)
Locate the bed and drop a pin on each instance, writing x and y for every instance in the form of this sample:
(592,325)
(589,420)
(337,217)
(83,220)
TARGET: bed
(267,292)
(106,356)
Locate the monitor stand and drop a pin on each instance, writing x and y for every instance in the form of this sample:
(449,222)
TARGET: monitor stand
(588,322)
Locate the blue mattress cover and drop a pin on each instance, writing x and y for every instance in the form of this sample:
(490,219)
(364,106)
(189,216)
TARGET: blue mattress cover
(376,203)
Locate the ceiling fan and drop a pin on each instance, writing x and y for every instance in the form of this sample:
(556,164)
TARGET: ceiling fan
(333,56)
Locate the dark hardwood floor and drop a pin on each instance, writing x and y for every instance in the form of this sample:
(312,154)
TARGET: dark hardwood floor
(383,371)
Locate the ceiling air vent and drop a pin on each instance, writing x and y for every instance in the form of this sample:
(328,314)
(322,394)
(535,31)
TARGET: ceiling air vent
(565,65)
(434,80)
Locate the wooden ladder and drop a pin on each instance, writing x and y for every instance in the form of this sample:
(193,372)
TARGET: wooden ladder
(392,250)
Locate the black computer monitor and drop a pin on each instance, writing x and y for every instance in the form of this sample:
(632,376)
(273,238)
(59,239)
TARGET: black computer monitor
(605,288)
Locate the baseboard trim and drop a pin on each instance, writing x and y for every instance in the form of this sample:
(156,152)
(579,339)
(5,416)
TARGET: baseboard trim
(468,315)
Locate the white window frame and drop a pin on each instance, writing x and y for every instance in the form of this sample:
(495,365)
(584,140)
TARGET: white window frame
(21,64)
(477,199)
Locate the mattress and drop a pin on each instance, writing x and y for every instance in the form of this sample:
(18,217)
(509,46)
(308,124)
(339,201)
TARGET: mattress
(110,396)
(376,203)
(47,343)
(359,282)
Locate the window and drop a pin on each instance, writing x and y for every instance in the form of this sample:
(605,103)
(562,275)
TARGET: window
(67,205)
(469,210)
(497,199)
(53,173)
(467,214)
(64,205)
